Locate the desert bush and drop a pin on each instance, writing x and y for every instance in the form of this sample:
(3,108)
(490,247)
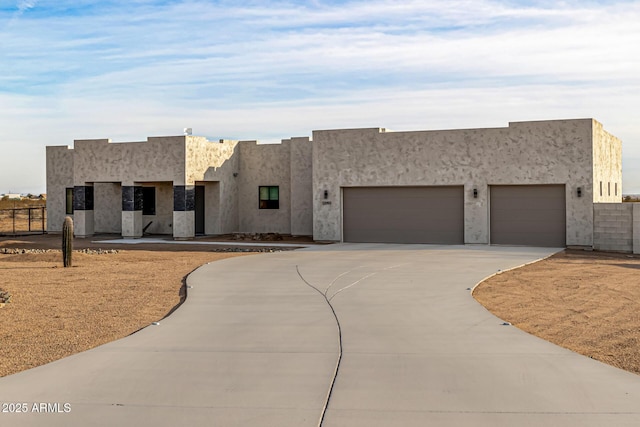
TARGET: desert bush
(4,296)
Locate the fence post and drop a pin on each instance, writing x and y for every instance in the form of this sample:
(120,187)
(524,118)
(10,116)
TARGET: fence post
(13,217)
(29,219)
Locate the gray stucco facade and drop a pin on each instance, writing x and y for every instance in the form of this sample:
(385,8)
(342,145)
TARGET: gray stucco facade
(308,177)
(108,181)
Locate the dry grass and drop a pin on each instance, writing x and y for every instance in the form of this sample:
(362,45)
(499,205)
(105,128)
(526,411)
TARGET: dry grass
(55,311)
(586,302)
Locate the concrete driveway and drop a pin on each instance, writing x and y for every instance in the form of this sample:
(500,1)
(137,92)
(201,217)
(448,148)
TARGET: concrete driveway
(257,344)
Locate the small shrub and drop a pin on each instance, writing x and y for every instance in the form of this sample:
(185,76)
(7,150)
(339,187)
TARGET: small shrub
(4,297)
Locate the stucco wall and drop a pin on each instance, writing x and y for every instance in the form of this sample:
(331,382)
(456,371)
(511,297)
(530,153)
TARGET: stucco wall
(109,165)
(99,161)
(264,165)
(157,159)
(212,210)
(301,187)
(607,165)
(59,178)
(614,225)
(545,152)
(215,162)
(107,211)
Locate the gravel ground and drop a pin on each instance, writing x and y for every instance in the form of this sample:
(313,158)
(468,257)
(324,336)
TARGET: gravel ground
(588,302)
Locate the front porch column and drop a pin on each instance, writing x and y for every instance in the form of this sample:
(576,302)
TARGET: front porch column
(184,218)
(131,211)
(83,210)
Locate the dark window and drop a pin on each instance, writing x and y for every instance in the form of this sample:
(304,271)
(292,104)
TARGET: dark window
(600,188)
(69,201)
(608,188)
(616,188)
(269,197)
(148,200)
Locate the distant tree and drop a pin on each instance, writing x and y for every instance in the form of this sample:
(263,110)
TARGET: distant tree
(627,199)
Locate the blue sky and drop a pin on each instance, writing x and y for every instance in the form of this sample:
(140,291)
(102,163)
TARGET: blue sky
(268,70)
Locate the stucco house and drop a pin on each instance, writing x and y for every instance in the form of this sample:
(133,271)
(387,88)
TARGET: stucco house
(530,183)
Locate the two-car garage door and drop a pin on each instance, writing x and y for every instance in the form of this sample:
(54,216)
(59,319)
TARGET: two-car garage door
(404,214)
(532,215)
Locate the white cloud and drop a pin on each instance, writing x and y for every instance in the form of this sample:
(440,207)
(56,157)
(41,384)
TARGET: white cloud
(23,5)
(271,69)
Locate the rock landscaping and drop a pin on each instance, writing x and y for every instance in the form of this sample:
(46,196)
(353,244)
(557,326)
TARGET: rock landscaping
(14,251)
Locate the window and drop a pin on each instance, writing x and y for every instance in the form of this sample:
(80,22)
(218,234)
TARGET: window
(148,200)
(69,201)
(616,188)
(269,197)
(608,188)
(600,188)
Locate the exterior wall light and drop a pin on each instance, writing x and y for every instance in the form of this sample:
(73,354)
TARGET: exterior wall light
(326,194)
(475,193)
(235,174)
(579,191)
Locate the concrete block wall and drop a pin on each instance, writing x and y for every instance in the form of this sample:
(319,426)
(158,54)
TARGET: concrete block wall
(616,227)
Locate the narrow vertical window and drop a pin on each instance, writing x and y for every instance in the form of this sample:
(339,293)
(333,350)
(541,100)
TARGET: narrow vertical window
(600,188)
(608,188)
(616,188)
(269,197)
(69,201)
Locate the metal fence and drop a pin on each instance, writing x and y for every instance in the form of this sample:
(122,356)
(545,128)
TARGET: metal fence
(16,221)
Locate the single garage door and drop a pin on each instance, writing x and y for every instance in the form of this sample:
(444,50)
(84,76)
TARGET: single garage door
(403,214)
(531,215)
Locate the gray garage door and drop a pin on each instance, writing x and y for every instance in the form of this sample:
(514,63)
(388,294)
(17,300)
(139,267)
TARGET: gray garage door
(403,214)
(532,215)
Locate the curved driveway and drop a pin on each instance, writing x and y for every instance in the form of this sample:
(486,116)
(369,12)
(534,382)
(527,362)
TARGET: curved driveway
(256,344)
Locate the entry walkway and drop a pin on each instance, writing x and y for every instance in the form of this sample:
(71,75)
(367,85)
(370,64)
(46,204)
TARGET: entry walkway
(257,344)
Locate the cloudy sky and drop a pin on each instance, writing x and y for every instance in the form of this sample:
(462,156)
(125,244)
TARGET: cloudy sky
(125,70)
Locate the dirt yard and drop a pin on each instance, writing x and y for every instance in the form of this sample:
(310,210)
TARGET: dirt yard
(588,302)
(54,311)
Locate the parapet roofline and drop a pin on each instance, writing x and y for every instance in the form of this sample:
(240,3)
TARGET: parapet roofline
(510,124)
